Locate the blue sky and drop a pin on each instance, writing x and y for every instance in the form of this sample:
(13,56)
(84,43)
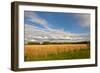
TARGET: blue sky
(78,23)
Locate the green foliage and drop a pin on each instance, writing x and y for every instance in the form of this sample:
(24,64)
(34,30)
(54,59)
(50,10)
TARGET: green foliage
(33,43)
(47,43)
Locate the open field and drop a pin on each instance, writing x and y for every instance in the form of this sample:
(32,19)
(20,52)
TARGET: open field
(56,52)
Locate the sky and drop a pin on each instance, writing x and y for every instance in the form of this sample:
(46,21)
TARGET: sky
(73,23)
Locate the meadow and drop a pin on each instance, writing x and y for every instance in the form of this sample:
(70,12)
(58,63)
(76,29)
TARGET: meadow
(42,52)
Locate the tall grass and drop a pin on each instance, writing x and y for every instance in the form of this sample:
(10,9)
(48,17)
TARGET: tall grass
(56,52)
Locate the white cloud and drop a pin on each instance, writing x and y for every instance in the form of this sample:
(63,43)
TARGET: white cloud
(84,20)
(33,33)
(35,18)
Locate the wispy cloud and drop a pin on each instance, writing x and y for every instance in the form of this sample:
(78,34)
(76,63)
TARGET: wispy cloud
(40,21)
(84,20)
(35,18)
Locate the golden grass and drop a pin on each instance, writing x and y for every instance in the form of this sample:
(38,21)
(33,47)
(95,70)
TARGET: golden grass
(44,50)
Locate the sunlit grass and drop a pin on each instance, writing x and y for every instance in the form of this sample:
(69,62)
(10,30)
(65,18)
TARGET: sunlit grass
(56,52)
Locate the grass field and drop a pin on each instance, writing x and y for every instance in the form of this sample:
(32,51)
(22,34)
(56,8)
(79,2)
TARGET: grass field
(56,52)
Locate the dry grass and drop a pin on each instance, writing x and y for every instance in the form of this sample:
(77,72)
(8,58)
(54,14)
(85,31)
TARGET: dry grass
(43,50)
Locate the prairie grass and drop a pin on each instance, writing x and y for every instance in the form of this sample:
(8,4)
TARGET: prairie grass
(56,52)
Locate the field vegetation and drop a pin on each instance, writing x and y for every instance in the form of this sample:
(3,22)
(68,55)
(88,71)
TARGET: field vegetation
(56,51)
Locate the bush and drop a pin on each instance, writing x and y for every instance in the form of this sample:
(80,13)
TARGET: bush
(33,43)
